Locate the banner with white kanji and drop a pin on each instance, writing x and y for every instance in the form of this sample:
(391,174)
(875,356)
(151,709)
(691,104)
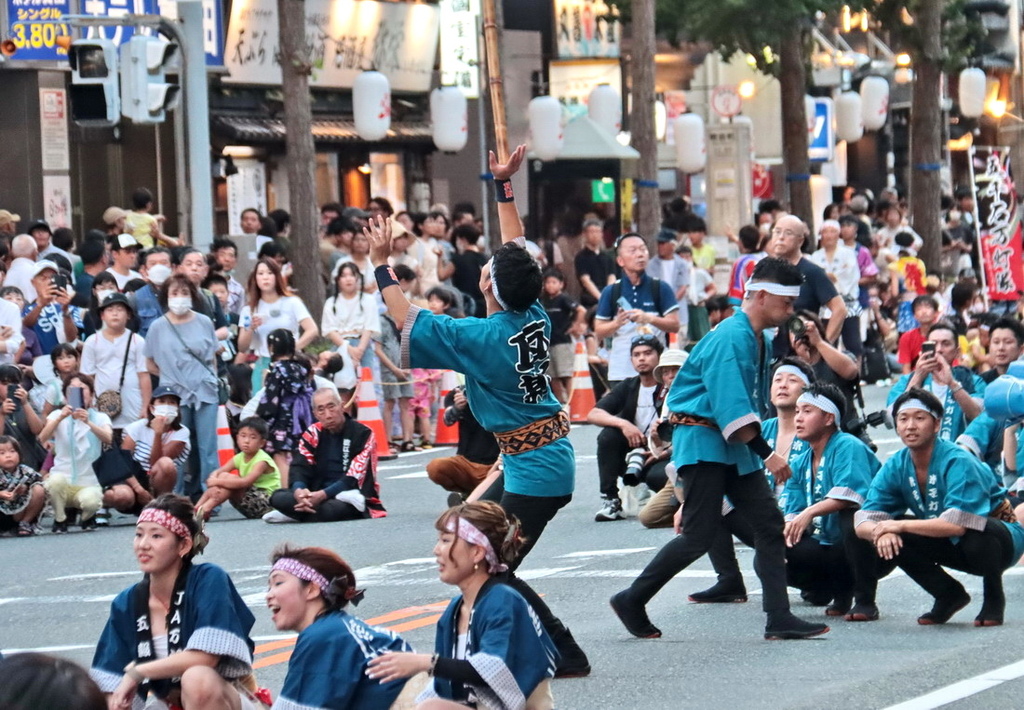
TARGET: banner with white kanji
(999,223)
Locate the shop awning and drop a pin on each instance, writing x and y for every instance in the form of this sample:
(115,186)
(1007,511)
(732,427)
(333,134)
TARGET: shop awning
(585,140)
(249,129)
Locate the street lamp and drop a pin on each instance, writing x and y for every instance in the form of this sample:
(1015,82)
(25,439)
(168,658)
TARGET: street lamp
(746,89)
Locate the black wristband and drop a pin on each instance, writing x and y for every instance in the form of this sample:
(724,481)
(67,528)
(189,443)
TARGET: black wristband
(760,447)
(385,276)
(503,191)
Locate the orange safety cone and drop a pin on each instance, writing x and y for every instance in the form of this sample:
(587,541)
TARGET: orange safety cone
(581,401)
(673,341)
(225,445)
(445,435)
(369,414)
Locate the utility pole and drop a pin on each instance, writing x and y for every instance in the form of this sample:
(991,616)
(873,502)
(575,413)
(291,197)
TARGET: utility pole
(197,127)
(926,118)
(641,119)
(300,155)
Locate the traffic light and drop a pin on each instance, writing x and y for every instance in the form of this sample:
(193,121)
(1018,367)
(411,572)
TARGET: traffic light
(998,49)
(94,92)
(145,95)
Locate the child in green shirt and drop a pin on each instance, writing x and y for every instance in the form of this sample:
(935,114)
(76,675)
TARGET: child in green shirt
(248,479)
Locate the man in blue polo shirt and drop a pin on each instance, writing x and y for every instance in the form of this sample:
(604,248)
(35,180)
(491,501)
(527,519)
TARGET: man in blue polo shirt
(653,306)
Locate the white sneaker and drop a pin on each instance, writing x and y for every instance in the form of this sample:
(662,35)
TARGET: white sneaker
(276,516)
(610,510)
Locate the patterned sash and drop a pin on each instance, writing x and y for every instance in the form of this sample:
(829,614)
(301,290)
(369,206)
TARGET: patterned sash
(534,435)
(1004,512)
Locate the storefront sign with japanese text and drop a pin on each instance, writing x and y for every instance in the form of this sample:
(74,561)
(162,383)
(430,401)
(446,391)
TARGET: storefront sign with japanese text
(587,28)
(33,32)
(460,45)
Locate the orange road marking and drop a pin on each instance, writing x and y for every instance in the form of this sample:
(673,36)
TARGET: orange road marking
(415,624)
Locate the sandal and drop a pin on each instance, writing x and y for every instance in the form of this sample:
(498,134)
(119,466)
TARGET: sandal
(407,446)
(25,529)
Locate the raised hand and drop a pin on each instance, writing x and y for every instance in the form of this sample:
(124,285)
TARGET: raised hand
(503,171)
(378,233)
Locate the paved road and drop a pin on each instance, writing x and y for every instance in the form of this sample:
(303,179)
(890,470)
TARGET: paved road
(55,592)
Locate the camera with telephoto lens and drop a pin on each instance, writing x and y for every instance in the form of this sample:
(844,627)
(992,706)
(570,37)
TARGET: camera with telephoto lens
(634,466)
(858,426)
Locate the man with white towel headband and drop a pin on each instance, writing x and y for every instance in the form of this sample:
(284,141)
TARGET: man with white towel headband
(717,401)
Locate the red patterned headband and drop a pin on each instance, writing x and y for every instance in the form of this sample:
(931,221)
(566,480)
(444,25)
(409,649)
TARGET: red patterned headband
(165,519)
(303,571)
(472,534)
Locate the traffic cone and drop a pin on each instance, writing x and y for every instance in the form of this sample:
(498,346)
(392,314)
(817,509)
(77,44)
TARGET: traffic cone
(225,445)
(582,399)
(445,435)
(369,414)
(673,341)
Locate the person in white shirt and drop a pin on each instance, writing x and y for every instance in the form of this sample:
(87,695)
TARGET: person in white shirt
(11,340)
(23,266)
(674,270)
(351,319)
(116,358)
(840,265)
(427,251)
(124,253)
(270,306)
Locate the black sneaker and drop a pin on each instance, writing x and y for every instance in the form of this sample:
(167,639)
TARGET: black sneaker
(454,499)
(839,606)
(720,594)
(789,627)
(60,528)
(634,619)
(863,612)
(611,510)
(572,661)
(89,525)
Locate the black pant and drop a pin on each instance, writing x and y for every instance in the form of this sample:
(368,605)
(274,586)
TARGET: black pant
(534,513)
(330,511)
(612,448)
(722,552)
(704,485)
(812,566)
(986,554)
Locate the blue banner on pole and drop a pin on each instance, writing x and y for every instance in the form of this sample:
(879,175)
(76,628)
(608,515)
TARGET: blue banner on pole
(822,138)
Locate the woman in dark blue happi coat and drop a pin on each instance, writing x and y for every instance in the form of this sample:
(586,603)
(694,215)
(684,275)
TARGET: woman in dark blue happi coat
(491,650)
(182,633)
(309,590)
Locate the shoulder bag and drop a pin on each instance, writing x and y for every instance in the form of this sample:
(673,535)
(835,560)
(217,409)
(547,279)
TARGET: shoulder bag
(109,402)
(223,392)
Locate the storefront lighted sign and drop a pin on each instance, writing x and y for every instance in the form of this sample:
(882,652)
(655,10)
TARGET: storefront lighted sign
(587,28)
(347,37)
(460,45)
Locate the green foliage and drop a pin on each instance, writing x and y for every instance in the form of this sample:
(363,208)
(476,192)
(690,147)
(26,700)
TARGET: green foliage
(962,33)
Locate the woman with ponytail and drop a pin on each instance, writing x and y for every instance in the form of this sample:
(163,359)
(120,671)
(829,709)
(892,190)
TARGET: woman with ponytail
(309,589)
(180,637)
(491,649)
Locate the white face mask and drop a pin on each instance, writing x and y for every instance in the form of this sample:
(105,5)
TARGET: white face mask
(168,411)
(101,296)
(158,274)
(179,305)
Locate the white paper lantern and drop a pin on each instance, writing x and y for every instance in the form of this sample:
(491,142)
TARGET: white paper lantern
(371,104)
(691,149)
(604,106)
(821,197)
(849,117)
(972,89)
(874,97)
(546,136)
(449,121)
(810,113)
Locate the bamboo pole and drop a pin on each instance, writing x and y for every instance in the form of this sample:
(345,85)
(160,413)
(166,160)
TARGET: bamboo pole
(494,81)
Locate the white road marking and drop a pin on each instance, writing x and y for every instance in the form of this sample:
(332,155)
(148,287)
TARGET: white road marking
(963,689)
(605,553)
(385,467)
(418,474)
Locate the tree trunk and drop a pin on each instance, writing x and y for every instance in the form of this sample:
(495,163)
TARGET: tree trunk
(926,133)
(300,156)
(641,120)
(793,88)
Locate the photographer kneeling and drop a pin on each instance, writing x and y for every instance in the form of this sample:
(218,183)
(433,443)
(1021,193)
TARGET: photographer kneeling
(626,414)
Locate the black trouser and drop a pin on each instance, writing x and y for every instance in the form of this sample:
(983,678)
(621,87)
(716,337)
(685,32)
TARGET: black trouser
(722,553)
(534,513)
(612,448)
(812,566)
(986,554)
(330,511)
(704,485)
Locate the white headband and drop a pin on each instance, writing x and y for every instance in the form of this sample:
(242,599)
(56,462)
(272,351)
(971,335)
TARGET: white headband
(915,403)
(834,224)
(795,371)
(821,402)
(773,288)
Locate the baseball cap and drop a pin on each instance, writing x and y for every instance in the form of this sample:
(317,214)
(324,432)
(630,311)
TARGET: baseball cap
(43,265)
(665,236)
(126,241)
(163,390)
(112,214)
(8,217)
